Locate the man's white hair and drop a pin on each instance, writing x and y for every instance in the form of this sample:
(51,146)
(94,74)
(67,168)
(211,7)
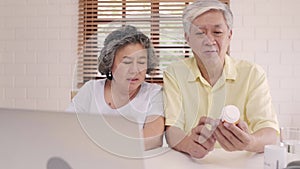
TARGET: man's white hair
(199,7)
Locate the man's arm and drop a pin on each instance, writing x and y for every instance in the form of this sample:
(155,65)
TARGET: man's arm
(263,137)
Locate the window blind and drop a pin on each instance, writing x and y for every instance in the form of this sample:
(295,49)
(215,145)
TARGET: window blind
(160,20)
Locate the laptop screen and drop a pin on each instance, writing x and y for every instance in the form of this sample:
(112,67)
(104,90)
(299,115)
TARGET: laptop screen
(45,139)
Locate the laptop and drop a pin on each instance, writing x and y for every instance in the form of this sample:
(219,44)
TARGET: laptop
(60,140)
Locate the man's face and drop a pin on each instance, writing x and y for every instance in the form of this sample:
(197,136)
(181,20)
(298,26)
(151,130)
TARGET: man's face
(209,37)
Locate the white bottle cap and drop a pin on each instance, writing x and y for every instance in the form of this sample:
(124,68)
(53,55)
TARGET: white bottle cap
(230,114)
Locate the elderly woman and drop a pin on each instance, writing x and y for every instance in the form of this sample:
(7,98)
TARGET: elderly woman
(126,58)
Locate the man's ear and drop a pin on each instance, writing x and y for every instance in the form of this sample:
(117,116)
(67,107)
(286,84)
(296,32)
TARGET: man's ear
(187,38)
(230,34)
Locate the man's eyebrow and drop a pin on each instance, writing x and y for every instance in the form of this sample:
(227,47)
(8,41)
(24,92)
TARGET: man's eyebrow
(217,26)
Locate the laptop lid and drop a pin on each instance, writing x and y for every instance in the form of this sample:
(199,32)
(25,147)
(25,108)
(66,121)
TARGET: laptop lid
(46,139)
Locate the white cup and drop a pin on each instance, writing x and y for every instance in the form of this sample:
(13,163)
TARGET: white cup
(275,157)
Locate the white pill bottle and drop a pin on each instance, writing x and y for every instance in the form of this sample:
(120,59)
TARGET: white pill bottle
(230,114)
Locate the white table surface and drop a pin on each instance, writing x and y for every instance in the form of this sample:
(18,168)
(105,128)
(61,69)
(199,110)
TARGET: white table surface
(217,159)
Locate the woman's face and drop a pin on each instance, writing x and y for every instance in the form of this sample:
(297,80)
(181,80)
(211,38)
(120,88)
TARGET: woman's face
(130,66)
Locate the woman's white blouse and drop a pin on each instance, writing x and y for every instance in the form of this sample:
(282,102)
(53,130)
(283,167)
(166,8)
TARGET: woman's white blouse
(90,99)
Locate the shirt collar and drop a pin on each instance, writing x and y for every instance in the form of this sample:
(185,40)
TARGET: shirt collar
(194,70)
(229,70)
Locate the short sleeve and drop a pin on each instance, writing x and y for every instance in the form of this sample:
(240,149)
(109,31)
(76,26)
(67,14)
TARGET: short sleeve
(259,109)
(82,100)
(156,102)
(172,101)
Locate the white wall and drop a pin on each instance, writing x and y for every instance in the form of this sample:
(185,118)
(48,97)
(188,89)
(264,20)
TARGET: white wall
(38,51)
(267,32)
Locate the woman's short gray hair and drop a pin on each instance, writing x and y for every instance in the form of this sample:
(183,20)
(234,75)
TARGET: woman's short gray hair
(120,38)
(199,7)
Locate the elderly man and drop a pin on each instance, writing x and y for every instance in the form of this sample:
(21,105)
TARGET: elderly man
(196,89)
